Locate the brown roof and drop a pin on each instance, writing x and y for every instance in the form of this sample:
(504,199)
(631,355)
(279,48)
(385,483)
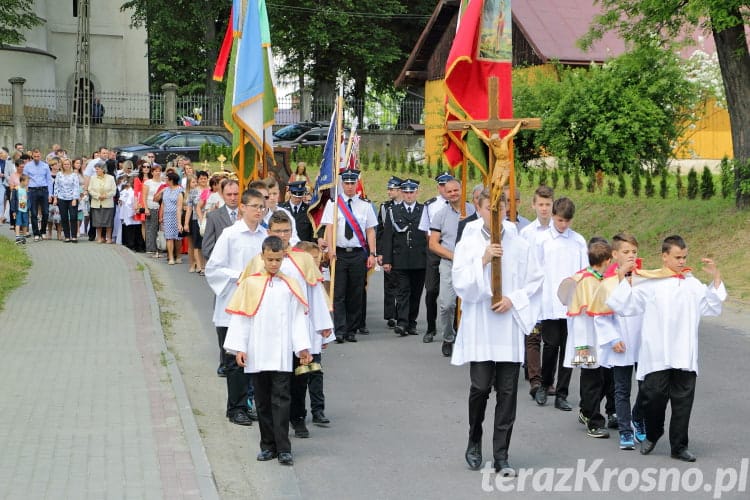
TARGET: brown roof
(415,68)
(552,28)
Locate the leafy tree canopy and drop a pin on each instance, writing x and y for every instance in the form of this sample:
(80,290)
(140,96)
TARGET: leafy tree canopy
(183,37)
(671,21)
(18,16)
(630,111)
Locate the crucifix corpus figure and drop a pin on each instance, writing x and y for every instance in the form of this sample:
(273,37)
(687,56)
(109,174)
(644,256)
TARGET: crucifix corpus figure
(501,168)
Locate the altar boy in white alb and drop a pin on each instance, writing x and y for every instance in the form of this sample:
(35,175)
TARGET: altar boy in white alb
(672,302)
(268,326)
(491,336)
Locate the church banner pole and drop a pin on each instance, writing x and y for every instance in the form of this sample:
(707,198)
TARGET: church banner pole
(335,168)
(241,166)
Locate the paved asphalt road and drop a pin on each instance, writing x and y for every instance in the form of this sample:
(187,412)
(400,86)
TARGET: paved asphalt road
(399,429)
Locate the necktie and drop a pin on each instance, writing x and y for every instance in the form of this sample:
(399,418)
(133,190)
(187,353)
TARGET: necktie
(348,233)
(233,216)
(295,209)
(408,209)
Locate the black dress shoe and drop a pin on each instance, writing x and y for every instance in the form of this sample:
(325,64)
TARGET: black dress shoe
(474,455)
(266,455)
(399,330)
(612,421)
(240,418)
(685,456)
(647,447)
(285,458)
(391,323)
(562,404)
(503,468)
(447,349)
(412,331)
(340,340)
(319,418)
(364,330)
(350,338)
(541,396)
(532,391)
(428,337)
(300,429)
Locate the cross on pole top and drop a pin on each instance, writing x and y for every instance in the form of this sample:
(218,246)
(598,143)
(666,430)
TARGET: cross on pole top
(500,168)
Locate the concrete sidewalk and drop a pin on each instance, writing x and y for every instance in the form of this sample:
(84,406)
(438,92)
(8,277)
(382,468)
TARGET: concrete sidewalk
(91,402)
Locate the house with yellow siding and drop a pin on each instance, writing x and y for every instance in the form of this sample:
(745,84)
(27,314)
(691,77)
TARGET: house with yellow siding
(543,33)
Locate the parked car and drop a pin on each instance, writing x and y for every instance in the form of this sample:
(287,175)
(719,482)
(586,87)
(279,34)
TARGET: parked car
(313,137)
(168,145)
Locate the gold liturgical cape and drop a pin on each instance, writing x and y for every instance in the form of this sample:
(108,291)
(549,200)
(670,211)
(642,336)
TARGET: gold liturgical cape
(251,288)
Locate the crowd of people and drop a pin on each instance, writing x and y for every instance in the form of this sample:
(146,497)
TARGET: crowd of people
(566,302)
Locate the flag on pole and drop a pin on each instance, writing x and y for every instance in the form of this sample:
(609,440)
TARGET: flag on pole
(482,48)
(326,177)
(226,49)
(250,100)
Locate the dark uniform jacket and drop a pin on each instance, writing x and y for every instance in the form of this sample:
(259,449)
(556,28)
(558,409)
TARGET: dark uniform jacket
(382,216)
(303,225)
(404,245)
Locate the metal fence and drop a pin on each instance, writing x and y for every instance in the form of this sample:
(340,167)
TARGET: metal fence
(386,114)
(6,110)
(56,106)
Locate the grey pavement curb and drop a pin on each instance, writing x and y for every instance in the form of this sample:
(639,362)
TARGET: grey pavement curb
(203,470)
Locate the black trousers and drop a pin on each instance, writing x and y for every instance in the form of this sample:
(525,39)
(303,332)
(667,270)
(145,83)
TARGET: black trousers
(348,293)
(38,198)
(610,405)
(410,283)
(555,335)
(390,287)
(301,384)
(363,316)
(272,401)
(68,218)
(676,387)
(132,237)
(431,289)
(504,377)
(592,388)
(237,379)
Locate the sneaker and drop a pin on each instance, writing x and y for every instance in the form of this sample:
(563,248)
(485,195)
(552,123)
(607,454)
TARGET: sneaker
(583,420)
(639,428)
(626,441)
(251,411)
(20,241)
(597,433)
(612,421)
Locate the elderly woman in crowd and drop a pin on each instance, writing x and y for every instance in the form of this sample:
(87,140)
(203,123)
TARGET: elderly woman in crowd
(172,203)
(101,192)
(67,193)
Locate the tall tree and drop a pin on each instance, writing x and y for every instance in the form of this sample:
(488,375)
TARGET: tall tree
(18,16)
(670,20)
(182,40)
(365,41)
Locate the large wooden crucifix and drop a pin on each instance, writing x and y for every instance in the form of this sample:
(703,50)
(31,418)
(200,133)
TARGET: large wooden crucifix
(501,169)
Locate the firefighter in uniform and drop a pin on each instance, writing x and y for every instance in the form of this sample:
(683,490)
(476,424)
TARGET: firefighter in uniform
(389,281)
(404,248)
(298,208)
